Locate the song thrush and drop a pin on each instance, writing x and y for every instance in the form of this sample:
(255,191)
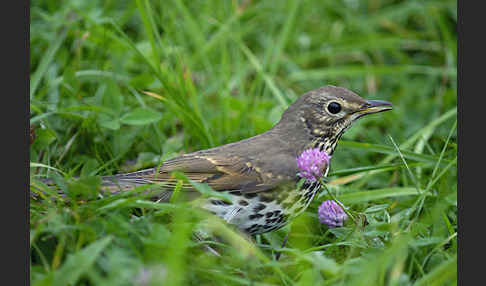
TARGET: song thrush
(260,173)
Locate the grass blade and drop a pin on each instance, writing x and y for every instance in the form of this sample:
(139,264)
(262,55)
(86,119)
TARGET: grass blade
(440,275)
(80,262)
(374,195)
(46,61)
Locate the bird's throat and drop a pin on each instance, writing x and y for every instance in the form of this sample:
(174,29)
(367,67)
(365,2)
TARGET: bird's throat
(327,143)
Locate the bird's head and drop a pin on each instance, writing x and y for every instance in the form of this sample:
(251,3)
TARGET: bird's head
(325,113)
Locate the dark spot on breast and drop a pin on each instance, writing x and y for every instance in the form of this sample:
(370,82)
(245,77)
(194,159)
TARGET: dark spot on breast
(250,195)
(269,214)
(255,216)
(253,228)
(220,203)
(259,207)
(266,198)
(243,203)
(275,227)
(306,185)
(236,193)
(271,220)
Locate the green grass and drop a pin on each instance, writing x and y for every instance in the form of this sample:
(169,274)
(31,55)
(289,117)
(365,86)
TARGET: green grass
(123,85)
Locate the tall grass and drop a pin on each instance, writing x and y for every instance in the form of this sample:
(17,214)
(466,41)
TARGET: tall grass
(122,85)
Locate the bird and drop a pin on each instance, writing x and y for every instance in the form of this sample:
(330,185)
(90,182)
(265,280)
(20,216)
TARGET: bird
(259,175)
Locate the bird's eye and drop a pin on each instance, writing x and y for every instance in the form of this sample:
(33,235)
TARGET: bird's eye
(334,107)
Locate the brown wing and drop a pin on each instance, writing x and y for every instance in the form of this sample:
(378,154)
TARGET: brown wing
(219,172)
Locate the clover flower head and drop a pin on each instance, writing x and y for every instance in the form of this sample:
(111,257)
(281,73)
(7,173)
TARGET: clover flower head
(331,214)
(312,163)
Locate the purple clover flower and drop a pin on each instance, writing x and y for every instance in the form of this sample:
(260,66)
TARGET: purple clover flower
(331,214)
(312,163)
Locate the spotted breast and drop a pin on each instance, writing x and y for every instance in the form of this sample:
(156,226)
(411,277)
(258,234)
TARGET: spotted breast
(256,213)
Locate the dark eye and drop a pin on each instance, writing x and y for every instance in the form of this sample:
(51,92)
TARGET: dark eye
(334,107)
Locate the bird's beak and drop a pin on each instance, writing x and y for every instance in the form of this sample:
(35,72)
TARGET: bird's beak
(374,106)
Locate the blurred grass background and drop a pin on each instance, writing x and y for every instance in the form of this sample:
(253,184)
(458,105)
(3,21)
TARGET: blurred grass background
(118,86)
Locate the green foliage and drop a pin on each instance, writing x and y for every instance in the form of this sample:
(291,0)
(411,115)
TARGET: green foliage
(123,85)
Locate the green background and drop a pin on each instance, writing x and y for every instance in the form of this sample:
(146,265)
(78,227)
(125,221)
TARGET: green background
(117,86)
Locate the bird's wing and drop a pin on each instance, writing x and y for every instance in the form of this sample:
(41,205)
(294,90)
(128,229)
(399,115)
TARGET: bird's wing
(228,172)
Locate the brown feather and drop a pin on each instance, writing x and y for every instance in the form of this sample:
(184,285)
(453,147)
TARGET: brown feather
(222,169)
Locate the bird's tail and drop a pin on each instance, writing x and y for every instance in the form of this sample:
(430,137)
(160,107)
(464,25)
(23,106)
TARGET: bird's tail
(111,185)
(128,181)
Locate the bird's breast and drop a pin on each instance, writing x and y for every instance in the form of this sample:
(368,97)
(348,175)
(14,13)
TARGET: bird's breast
(261,212)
